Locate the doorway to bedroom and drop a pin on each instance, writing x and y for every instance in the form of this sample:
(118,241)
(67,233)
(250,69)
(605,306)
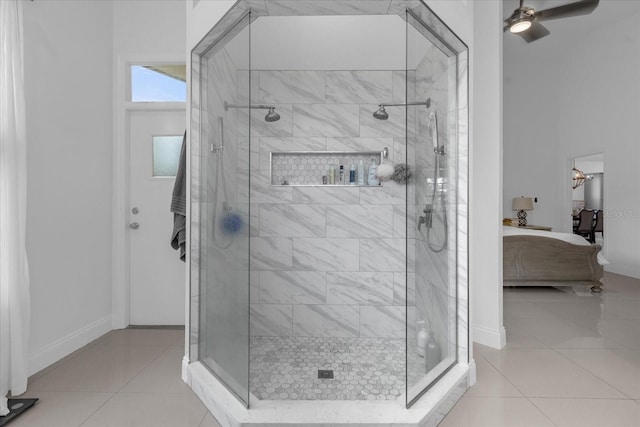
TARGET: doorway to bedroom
(587,197)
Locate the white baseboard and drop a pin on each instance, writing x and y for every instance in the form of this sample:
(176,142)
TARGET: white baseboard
(624,270)
(490,337)
(472,379)
(55,351)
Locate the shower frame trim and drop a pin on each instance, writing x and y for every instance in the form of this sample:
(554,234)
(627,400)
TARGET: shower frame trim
(443,394)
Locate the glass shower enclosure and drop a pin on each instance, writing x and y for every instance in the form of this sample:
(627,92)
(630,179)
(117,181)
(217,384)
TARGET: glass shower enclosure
(328,201)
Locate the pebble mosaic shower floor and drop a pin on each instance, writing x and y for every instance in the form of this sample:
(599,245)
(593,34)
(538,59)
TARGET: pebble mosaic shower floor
(286,368)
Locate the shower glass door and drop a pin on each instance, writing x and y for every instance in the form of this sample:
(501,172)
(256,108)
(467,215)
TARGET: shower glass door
(224,210)
(431,208)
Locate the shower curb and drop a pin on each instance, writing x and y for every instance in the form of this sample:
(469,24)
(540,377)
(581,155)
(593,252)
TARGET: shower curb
(227,409)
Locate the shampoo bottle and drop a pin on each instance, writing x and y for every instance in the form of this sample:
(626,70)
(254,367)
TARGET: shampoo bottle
(372,179)
(352,175)
(341,176)
(332,175)
(421,339)
(361,172)
(432,352)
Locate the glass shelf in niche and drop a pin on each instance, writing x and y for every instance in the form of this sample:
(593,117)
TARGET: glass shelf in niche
(307,168)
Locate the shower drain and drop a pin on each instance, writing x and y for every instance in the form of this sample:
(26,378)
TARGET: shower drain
(325,374)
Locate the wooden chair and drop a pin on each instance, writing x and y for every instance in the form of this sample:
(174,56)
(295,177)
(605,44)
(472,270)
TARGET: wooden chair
(599,225)
(585,225)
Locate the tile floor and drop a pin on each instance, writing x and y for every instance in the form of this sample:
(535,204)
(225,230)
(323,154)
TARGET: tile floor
(286,368)
(571,360)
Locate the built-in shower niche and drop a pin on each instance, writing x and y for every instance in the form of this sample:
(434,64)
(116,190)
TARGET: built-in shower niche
(302,168)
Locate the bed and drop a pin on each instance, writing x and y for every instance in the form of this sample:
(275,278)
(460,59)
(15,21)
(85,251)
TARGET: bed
(543,258)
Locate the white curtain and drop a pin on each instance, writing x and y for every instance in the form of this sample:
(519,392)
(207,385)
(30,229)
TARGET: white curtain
(14,271)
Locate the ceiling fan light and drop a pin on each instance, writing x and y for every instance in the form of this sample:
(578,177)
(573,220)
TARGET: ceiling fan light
(520,25)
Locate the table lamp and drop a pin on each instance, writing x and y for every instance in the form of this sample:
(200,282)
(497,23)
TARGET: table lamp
(522,204)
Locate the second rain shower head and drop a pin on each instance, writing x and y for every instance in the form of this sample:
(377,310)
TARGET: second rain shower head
(381,113)
(271,116)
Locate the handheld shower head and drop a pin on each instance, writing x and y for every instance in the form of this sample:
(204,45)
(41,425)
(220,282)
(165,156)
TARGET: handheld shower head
(272,116)
(381,113)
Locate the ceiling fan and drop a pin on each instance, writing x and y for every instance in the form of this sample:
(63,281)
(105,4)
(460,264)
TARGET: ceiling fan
(525,21)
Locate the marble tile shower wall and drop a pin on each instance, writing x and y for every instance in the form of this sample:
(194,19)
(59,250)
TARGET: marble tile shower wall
(327,261)
(436,273)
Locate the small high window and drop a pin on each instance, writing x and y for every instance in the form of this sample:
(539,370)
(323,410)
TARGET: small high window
(159,83)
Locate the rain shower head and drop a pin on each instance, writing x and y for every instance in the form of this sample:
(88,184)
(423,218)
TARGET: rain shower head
(381,113)
(271,116)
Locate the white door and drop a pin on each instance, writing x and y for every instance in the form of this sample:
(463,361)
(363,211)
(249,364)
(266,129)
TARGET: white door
(157,276)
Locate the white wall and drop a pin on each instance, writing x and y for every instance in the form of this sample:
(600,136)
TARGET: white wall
(485,182)
(70,48)
(68,57)
(587,102)
(149,27)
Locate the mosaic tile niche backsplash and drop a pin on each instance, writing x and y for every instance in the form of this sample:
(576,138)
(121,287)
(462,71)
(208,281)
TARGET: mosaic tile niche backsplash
(293,168)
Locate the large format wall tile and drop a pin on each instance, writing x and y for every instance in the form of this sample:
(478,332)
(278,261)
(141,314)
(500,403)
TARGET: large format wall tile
(404,289)
(313,7)
(326,195)
(263,192)
(325,320)
(358,288)
(292,287)
(389,193)
(271,253)
(292,220)
(376,145)
(280,144)
(292,87)
(325,254)
(382,321)
(383,255)
(357,87)
(325,120)
(359,221)
(271,320)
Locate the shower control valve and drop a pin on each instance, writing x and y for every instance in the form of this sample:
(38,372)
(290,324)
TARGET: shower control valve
(426,219)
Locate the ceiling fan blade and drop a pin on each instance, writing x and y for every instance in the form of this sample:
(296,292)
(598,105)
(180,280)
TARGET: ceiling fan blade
(583,7)
(537,31)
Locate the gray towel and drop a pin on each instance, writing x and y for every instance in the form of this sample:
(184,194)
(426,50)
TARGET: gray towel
(179,203)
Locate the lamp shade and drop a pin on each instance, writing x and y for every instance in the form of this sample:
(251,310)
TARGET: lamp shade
(522,204)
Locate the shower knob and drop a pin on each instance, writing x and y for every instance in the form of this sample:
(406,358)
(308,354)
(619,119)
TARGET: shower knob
(135,211)
(134,225)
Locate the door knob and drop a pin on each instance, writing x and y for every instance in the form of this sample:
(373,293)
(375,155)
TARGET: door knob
(134,225)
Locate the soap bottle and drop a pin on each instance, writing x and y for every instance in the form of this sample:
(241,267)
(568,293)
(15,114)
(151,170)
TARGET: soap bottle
(332,175)
(432,352)
(421,339)
(361,172)
(352,175)
(373,170)
(341,180)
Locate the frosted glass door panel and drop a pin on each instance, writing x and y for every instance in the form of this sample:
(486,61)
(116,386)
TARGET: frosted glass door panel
(166,154)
